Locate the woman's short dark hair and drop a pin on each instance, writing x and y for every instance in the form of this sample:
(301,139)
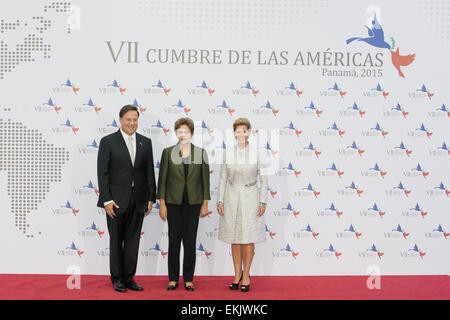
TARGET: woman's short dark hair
(185,121)
(127,108)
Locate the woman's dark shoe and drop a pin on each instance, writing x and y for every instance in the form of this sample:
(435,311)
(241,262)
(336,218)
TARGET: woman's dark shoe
(189,287)
(235,286)
(245,288)
(172,287)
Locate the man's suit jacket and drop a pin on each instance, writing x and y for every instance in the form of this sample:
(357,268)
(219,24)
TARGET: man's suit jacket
(171,179)
(116,173)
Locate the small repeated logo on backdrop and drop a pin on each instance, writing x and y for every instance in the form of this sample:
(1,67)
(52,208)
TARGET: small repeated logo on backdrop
(65,127)
(155,251)
(309,150)
(89,148)
(89,106)
(272,192)
(438,232)
(285,252)
(414,252)
(309,190)
(421,131)
(439,191)
(212,234)
(202,89)
(290,130)
(288,170)
(440,112)
(307,232)
(353,149)
(350,232)
(67,208)
(269,149)
(376,39)
(422,92)
(113,87)
(371,253)
(287,211)
(222,108)
(246,89)
(334,90)
(110,127)
(375,171)
(207,128)
(90,231)
(309,110)
(350,190)
(140,107)
(157,128)
(441,150)
(329,252)
(400,150)
(332,171)
(158,88)
(416,172)
(179,107)
(396,111)
(376,131)
(67,86)
(398,232)
(204,251)
(270,232)
(399,190)
(417,211)
(331,211)
(103,253)
(374,211)
(291,90)
(376,92)
(88,189)
(333,130)
(71,250)
(266,109)
(353,111)
(48,106)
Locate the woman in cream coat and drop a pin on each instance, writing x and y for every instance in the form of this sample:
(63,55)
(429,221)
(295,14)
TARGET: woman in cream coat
(241,203)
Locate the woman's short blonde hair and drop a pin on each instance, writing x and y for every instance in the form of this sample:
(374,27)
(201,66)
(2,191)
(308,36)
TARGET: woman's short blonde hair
(185,121)
(241,122)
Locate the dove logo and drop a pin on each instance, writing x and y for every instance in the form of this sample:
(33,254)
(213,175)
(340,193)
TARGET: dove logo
(266,109)
(109,127)
(334,90)
(374,211)
(417,211)
(290,130)
(157,128)
(397,111)
(65,127)
(67,208)
(329,253)
(90,148)
(376,39)
(416,172)
(91,231)
(286,252)
(376,92)
(400,150)
(350,232)
(307,232)
(222,108)
(287,211)
(309,150)
(376,131)
(396,233)
(207,128)
(103,253)
(399,190)
(440,112)
(351,150)
(414,252)
(66,87)
(438,232)
(269,150)
(290,169)
(309,190)
(371,253)
(48,106)
(422,92)
(439,191)
(202,251)
(202,89)
(71,250)
(89,106)
(330,212)
(333,130)
(310,110)
(420,132)
(290,91)
(441,150)
(351,190)
(88,189)
(375,171)
(246,89)
(332,171)
(270,232)
(141,108)
(158,88)
(155,251)
(353,111)
(113,88)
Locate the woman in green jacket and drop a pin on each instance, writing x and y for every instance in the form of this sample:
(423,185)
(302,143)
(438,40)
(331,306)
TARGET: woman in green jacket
(183,193)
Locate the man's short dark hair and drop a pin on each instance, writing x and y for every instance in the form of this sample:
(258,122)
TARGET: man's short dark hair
(127,108)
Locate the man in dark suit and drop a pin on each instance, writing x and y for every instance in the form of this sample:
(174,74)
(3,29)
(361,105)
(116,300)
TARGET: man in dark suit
(126,180)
